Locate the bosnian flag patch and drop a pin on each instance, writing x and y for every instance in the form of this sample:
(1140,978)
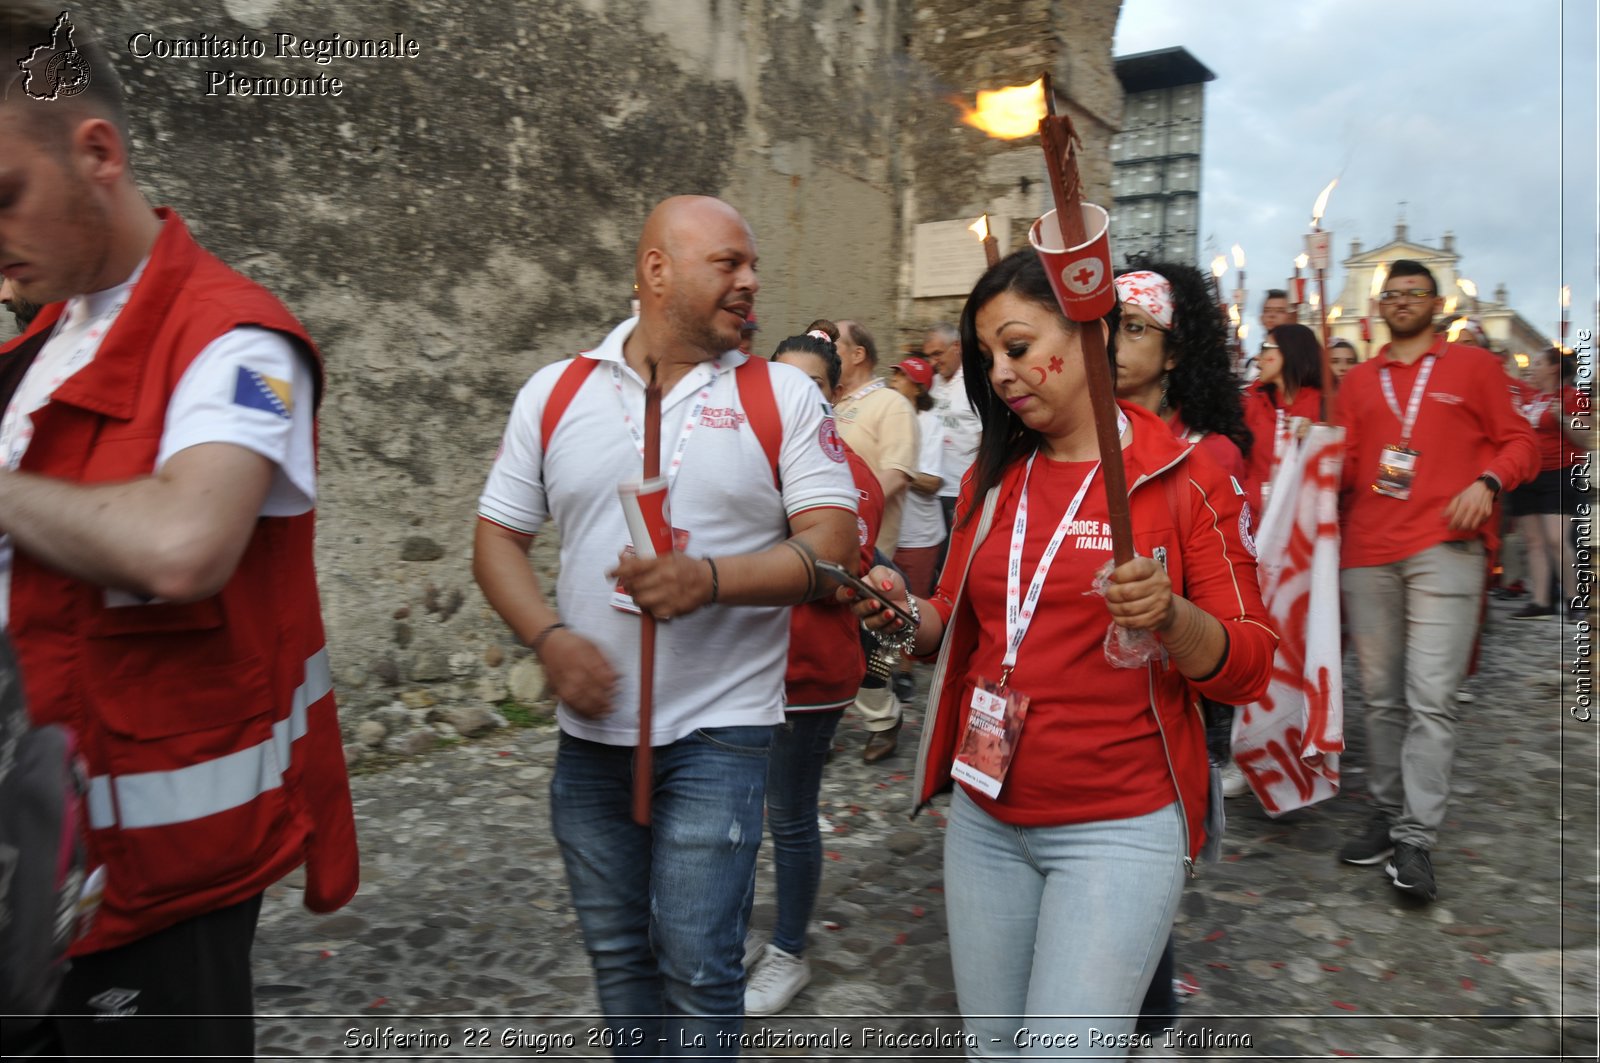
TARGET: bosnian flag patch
(256,391)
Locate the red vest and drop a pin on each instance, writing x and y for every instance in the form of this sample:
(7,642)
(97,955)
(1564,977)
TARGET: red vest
(210,729)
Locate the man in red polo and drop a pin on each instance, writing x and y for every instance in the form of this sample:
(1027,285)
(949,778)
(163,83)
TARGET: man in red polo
(1432,440)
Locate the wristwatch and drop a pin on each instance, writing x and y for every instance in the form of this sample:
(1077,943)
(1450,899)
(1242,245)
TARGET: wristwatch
(1491,483)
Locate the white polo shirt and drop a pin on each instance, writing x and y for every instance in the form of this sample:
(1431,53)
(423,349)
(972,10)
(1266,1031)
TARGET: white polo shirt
(722,665)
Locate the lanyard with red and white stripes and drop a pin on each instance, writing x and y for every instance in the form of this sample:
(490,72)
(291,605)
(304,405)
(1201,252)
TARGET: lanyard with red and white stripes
(1408,420)
(688,424)
(1019,610)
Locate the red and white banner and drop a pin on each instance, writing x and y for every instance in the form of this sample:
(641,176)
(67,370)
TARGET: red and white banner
(1288,743)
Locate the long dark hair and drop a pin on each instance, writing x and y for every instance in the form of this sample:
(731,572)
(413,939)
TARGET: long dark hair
(1302,359)
(1005,438)
(1201,385)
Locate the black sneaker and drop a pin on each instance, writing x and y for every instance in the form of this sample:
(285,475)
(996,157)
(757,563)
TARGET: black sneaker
(1372,847)
(1412,871)
(1534,611)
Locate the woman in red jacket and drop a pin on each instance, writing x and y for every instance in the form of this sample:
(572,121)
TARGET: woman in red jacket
(1064,863)
(826,665)
(1287,389)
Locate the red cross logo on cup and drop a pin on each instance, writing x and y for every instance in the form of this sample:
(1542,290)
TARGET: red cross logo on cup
(1083,276)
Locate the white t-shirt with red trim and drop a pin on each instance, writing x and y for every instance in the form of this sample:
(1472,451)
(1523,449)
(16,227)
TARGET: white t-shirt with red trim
(722,665)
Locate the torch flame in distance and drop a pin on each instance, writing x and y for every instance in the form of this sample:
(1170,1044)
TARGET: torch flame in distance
(1566,296)
(980,227)
(1009,113)
(1334,313)
(1316,300)
(1244,332)
(1238,256)
(1467,286)
(1379,275)
(1219,266)
(1450,304)
(1456,327)
(1322,203)
(1233,313)
(1302,260)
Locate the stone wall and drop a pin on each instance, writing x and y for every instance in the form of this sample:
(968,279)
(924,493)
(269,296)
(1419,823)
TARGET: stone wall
(450,223)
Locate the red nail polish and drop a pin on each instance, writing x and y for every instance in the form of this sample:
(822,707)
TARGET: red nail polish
(887,584)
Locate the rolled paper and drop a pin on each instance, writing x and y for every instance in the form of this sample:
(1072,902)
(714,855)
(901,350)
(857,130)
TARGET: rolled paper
(1081,276)
(644,504)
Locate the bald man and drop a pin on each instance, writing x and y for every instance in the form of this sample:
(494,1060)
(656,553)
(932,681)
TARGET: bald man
(157,483)
(759,490)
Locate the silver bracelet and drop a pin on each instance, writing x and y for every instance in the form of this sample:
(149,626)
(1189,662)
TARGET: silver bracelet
(904,638)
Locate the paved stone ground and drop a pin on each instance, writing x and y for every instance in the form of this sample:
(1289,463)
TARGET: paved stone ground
(462,927)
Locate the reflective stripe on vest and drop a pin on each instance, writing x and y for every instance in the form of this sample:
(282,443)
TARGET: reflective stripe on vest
(157,798)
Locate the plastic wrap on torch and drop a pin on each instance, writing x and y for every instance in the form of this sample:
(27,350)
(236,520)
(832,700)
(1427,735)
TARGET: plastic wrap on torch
(1080,276)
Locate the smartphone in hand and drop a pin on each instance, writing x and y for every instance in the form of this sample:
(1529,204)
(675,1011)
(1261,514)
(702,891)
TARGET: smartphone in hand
(840,575)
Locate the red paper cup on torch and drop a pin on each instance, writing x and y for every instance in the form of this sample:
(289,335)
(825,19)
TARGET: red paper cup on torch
(1081,275)
(644,504)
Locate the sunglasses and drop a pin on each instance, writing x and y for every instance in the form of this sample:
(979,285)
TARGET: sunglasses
(1415,295)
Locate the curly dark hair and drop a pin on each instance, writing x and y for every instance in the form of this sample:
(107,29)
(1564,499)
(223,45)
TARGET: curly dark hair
(1005,437)
(805,343)
(1201,386)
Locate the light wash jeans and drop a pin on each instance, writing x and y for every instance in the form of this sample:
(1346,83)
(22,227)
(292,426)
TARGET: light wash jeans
(664,908)
(1056,931)
(1413,623)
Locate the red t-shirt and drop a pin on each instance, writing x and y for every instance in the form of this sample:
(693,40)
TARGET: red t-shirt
(1090,748)
(1466,426)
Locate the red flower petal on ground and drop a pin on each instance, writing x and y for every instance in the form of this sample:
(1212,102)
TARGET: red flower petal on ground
(1466,983)
(918,910)
(1342,1004)
(833,855)
(900,939)
(1219,966)
(1481,958)
(1215,935)
(1332,967)
(380,1002)
(1279,965)
(1342,942)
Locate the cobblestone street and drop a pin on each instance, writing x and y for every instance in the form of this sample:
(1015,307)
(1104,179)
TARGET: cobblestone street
(462,929)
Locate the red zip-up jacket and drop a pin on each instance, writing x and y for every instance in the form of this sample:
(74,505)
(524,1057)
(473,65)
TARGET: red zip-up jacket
(1466,426)
(1183,503)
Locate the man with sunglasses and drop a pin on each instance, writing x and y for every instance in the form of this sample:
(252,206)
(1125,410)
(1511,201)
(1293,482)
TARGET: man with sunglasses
(1432,439)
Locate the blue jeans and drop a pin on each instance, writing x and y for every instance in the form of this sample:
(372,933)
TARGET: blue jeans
(664,908)
(794,778)
(1057,929)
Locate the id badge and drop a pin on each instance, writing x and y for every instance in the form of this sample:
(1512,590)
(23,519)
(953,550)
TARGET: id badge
(994,725)
(1397,469)
(620,599)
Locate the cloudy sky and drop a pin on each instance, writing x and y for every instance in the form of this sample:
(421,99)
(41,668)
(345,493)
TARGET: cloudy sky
(1460,108)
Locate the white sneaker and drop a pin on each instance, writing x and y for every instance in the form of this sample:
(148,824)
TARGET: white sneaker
(754,945)
(774,981)
(1233,781)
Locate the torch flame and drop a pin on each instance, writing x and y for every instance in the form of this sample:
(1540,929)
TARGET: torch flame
(1456,328)
(1566,296)
(1316,300)
(1467,286)
(1322,203)
(1521,359)
(1219,266)
(980,227)
(1233,313)
(1008,113)
(1450,304)
(1238,256)
(1379,275)
(1244,332)
(1302,260)
(1334,313)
